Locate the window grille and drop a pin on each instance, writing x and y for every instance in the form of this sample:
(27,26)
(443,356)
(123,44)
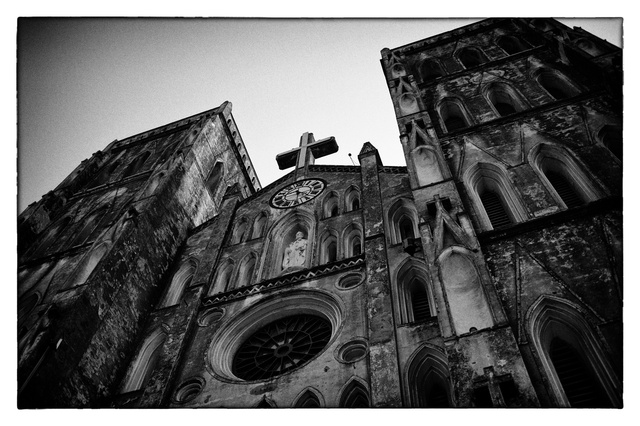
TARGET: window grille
(495,209)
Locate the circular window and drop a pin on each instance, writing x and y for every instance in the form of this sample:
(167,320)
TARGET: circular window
(188,390)
(275,336)
(350,281)
(281,346)
(352,351)
(210,316)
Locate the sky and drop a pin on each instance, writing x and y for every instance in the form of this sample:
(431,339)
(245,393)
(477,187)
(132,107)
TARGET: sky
(84,82)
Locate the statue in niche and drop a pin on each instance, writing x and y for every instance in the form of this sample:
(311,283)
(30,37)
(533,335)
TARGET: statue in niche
(295,254)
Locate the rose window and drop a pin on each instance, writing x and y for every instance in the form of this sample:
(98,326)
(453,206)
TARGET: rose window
(281,346)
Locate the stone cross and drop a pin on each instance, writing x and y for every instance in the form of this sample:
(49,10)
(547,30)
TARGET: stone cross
(307,152)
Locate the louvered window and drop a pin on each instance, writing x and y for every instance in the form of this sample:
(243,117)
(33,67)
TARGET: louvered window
(579,385)
(495,209)
(564,189)
(420,303)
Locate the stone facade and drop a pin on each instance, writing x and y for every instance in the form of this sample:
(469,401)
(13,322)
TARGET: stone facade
(487,272)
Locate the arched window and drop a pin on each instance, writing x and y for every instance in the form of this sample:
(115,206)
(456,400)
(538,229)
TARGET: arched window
(579,372)
(504,99)
(136,166)
(104,175)
(567,182)
(153,184)
(215,177)
(415,303)
(51,236)
(179,282)
(308,399)
(471,57)
(354,395)
(406,227)
(557,84)
(352,237)
(496,201)
(611,137)
(428,378)
(430,69)
(88,224)
(330,206)
(328,248)
(259,225)
(511,44)
(240,232)
(245,272)
(140,372)
(494,206)
(403,221)
(87,265)
(352,199)
(223,277)
(588,46)
(452,113)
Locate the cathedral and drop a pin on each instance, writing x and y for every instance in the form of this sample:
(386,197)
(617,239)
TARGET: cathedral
(484,272)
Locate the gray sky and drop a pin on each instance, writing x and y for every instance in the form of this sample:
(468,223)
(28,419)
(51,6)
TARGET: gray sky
(84,82)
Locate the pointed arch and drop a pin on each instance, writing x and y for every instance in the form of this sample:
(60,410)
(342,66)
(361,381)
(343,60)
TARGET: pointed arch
(266,403)
(563,176)
(453,114)
(224,273)
(555,326)
(145,362)
(588,46)
(428,379)
(504,98)
(354,394)
(245,271)
(104,175)
(281,235)
(430,69)
(153,185)
(511,44)
(179,282)
(240,231)
(427,165)
(88,225)
(402,221)
(87,265)
(611,137)
(51,236)
(558,85)
(415,301)
(471,56)
(352,199)
(328,247)
(330,205)
(215,177)
(496,201)
(352,240)
(137,165)
(309,398)
(464,290)
(259,225)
